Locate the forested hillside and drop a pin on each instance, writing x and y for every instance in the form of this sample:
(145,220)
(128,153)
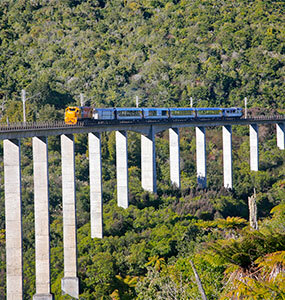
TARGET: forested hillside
(165,52)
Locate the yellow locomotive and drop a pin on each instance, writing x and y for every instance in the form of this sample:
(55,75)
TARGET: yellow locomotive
(73,114)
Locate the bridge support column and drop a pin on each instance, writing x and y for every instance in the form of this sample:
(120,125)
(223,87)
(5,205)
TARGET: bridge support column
(280,128)
(13,223)
(95,173)
(70,282)
(174,153)
(201,157)
(148,166)
(122,168)
(227,156)
(254,153)
(42,243)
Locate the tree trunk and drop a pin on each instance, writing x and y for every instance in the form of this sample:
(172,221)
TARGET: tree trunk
(198,281)
(253,211)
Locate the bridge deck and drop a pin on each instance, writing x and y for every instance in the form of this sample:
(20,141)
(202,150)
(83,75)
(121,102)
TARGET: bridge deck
(21,130)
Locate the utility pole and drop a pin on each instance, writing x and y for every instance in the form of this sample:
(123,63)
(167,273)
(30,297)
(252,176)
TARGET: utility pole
(137,101)
(245,107)
(24,99)
(191,102)
(24,105)
(82,102)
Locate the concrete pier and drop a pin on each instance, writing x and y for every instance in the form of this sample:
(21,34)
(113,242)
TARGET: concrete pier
(122,169)
(254,153)
(174,156)
(148,165)
(201,157)
(280,131)
(13,219)
(95,175)
(41,195)
(70,282)
(227,157)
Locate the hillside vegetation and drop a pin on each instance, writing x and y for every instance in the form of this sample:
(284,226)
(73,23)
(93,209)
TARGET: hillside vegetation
(165,52)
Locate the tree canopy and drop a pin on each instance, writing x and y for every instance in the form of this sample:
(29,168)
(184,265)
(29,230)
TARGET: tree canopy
(165,52)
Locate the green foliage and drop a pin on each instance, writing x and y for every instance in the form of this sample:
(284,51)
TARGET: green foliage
(165,52)
(244,251)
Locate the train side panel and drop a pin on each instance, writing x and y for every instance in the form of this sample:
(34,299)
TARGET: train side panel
(182,113)
(156,113)
(211,112)
(86,112)
(233,112)
(104,114)
(129,113)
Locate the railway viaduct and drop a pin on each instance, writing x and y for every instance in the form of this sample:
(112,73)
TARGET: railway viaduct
(12,135)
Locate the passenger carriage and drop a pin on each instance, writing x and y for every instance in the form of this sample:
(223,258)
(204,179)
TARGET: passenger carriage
(182,113)
(104,114)
(156,113)
(129,113)
(232,112)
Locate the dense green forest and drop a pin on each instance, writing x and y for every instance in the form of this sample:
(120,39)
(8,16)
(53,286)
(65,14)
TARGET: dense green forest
(164,52)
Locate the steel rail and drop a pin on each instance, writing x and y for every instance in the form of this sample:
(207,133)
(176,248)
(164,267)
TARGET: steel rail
(61,124)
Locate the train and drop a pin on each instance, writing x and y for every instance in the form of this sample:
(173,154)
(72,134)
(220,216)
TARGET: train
(87,115)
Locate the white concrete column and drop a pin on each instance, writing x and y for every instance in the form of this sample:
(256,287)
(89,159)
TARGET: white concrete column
(122,168)
(148,166)
(227,156)
(174,156)
(254,154)
(70,282)
(13,219)
(280,131)
(201,156)
(95,173)
(41,194)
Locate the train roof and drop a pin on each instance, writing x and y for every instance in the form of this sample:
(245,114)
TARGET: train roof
(216,108)
(182,108)
(128,108)
(101,108)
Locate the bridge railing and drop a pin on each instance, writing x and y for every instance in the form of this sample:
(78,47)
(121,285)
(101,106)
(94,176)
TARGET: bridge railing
(34,125)
(273,117)
(61,124)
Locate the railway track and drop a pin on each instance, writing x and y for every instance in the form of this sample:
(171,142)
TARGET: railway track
(61,124)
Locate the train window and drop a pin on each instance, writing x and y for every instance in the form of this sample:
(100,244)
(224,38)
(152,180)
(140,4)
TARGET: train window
(129,113)
(164,113)
(152,113)
(208,112)
(182,112)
